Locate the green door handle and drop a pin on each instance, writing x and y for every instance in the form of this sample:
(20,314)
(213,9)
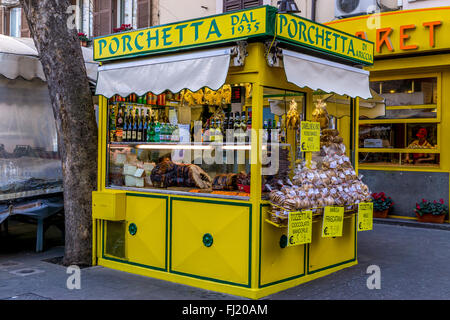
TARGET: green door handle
(208,240)
(283,241)
(132,229)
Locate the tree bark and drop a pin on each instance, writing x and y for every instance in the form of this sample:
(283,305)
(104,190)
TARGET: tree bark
(63,64)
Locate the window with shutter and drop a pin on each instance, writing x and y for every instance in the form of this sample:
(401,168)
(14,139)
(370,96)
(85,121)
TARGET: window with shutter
(232,5)
(104,16)
(143,12)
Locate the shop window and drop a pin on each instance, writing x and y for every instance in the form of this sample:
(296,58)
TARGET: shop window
(402,116)
(193,143)
(15,22)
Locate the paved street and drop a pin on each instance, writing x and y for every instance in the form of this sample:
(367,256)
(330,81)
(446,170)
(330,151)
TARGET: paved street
(413,261)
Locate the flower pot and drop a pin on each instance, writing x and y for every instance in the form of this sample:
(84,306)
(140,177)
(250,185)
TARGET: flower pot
(428,217)
(83,43)
(381,214)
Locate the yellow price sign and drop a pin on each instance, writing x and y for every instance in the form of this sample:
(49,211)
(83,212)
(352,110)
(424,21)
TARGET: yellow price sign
(310,136)
(299,228)
(365,216)
(333,221)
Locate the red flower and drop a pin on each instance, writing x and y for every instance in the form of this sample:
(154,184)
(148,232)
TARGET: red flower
(441,201)
(434,201)
(382,194)
(417,206)
(423,200)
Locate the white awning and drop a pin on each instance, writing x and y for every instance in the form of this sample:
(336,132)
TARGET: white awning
(315,73)
(193,71)
(19,58)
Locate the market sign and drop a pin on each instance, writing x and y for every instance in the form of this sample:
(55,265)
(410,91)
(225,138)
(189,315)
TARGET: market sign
(402,32)
(365,216)
(299,228)
(310,136)
(193,33)
(322,38)
(333,222)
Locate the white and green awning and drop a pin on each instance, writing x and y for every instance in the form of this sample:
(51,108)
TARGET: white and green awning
(174,72)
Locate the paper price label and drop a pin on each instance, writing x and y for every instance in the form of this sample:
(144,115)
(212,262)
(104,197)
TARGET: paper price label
(310,136)
(365,216)
(333,221)
(299,228)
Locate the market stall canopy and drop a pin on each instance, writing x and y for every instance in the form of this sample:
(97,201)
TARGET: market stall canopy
(319,74)
(193,71)
(19,58)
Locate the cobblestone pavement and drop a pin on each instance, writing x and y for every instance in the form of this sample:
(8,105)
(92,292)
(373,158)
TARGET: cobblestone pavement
(414,263)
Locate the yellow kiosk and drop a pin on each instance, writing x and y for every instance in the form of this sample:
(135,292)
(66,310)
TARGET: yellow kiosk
(183,197)
(402,149)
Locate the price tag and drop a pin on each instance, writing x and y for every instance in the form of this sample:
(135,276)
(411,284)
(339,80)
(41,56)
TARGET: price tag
(310,136)
(365,216)
(299,228)
(333,221)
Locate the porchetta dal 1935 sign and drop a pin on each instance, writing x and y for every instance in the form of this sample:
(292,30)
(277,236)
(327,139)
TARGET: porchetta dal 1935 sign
(261,22)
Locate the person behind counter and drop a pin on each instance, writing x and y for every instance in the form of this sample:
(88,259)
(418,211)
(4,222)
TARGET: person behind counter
(420,143)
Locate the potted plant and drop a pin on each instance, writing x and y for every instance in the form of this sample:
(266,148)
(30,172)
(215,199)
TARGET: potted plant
(381,205)
(83,39)
(123,27)
(428,211)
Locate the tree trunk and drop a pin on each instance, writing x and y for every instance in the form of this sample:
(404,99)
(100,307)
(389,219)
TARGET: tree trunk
(63,64)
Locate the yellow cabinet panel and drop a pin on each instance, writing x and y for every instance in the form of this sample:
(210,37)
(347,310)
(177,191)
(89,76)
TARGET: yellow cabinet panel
(278,264)
(108,205)
(328,252)
(147,231)
(211,240)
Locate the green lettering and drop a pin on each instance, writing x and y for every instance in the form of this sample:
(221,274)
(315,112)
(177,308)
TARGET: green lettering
(309,34)
(302,31)
(344,38)
(126,43)
(251,17)
(111,51)
(319,36)
(102,43)
(213,29)
(292,23)
(181,29)
(196,25)
(350,48)
(244,18)
(136,41)
(282,23)
(165,36)
(154,38)
(327,40)
(336,37)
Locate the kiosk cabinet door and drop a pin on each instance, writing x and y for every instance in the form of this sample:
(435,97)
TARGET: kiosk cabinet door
(211,240)
(146,231)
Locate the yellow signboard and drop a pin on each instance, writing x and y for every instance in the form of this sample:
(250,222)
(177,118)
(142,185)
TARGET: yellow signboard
(200,32)
(323,38)
(299,228)
(365,216)
(310,136)
(402,32)
(333,222)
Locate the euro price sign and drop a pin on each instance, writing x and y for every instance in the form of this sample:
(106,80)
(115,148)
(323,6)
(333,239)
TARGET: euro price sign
(365,216)
(299,228)
(310,136)
(333,221)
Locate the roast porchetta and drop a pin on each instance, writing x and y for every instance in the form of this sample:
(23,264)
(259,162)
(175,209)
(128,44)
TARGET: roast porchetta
(170,174)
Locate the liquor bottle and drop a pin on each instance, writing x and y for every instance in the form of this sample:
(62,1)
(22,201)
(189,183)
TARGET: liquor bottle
(140,127)
(119,125)
(151,131)
(130,126)
(157,136)
(145,128)
(135,127)
(112,125)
